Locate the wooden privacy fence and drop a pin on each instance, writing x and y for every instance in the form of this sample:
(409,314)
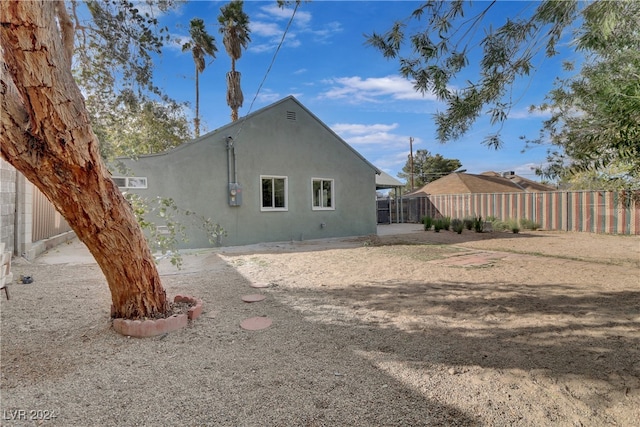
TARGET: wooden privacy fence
(589,211)
(47,221)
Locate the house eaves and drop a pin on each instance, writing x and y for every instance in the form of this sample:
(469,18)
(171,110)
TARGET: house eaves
(384,180)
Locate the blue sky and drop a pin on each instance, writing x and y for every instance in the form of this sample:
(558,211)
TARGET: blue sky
(351,87)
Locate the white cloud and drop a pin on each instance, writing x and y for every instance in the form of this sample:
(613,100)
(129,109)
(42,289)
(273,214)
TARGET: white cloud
(267,96)
(152,10)
(302,19)
(270,36)
(356,89)
(384,139)
(292,41)
(261,47)
(176,42)
(526,113)
(323,34)
(527,170)
(265,29)
(391,162)
(272,11)
(359,129)
(269,25)
(377,135)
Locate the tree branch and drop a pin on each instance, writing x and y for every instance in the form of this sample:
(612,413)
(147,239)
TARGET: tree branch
(66,29)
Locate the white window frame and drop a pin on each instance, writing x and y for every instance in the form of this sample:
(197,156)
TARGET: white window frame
(332,195)
(132,182)
(286,194)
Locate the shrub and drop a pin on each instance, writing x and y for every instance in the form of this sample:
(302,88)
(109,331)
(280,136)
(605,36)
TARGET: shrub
(468,223)
(528,224)
(457,225)
(499,225)
(513,226)
(446,222)
(477,224)
(166,229)
(438,225)
(427,221)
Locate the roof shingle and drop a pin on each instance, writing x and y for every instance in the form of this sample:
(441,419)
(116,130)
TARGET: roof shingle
(487,182)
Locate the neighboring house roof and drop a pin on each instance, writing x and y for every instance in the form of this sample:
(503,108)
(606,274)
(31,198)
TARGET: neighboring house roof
(487,182)
(384,180)
(526,184)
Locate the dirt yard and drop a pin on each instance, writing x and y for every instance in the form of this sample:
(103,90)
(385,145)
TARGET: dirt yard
(418,329)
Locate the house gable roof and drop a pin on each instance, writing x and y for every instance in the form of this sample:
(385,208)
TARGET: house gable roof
(293,99)
(235,128)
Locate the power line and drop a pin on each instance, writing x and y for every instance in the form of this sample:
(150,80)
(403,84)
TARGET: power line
(273,59)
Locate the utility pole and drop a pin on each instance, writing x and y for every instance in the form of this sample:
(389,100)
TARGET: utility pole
(411,159)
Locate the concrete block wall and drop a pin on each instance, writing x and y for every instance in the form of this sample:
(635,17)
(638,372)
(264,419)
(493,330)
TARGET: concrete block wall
(7,204)
(16,216)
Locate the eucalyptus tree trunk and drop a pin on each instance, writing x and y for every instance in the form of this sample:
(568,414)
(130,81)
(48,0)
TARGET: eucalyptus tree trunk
(46,135)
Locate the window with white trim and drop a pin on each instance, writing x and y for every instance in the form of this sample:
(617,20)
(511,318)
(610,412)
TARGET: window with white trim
(323,194)
(130,182)
(273,193)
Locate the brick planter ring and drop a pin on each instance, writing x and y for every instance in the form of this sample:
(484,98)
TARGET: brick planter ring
(196,305)
(153,327)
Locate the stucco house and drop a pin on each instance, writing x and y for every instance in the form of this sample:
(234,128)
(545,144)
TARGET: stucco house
(278,174)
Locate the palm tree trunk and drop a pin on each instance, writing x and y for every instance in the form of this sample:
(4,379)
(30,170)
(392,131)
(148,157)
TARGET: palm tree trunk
(235,98)
(196,120)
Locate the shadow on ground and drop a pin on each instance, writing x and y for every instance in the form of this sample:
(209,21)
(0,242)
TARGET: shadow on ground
(59,353)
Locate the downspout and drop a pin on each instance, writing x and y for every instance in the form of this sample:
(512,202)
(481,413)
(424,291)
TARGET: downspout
(231,152)
(235,165)
(232,178)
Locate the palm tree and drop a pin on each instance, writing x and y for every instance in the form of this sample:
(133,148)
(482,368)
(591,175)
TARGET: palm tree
(234,25)
(200,45)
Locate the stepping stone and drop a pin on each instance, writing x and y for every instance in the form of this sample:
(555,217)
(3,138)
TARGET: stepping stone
(259,285)
(253,298)
(255,323)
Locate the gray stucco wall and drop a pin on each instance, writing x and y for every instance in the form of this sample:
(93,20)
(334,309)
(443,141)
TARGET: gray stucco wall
(270,143)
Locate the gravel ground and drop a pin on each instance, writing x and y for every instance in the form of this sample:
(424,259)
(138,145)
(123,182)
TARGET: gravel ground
(419,329)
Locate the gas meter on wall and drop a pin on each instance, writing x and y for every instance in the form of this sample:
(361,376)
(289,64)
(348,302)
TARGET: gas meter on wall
(235,194)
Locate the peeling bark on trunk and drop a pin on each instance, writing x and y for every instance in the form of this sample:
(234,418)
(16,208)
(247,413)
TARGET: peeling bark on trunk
(46,135)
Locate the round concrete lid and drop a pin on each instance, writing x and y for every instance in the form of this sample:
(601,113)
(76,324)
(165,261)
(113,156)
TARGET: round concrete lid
(259,285)
(253,298)
(255,323)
